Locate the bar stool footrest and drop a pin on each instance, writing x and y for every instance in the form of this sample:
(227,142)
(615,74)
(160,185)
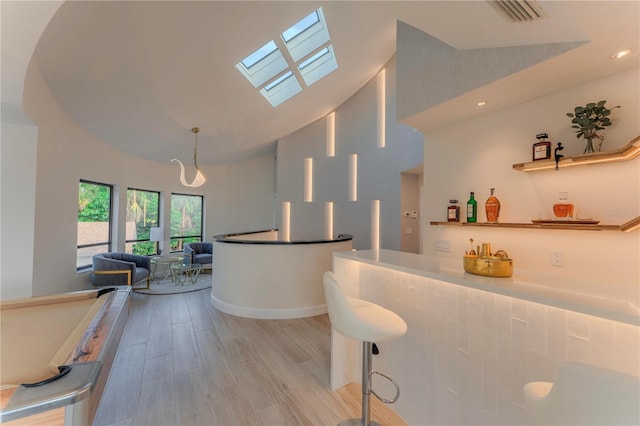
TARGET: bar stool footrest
(386,401)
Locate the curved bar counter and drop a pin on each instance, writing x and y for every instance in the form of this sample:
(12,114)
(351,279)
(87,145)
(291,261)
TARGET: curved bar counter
(255,275)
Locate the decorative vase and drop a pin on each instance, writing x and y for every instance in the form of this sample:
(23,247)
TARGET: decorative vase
(589,147)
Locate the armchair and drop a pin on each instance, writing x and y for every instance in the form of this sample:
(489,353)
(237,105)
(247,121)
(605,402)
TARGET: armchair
(197,252)
(120,269)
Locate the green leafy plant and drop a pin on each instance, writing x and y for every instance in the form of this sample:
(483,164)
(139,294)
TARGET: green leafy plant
(588,119)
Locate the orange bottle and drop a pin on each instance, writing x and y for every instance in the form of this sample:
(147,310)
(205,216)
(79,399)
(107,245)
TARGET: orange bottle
(492,208)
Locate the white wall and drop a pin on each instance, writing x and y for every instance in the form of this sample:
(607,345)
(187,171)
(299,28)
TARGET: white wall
(21,27)
(237,196)
(18,177)
(379,169)
(478,154)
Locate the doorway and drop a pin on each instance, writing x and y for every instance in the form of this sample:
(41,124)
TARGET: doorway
(410,229)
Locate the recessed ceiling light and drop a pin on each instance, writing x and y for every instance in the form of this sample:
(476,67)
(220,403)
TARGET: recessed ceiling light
(621,53)
(481,103)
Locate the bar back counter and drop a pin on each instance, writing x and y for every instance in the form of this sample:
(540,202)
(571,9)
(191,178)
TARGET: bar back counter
(255,275)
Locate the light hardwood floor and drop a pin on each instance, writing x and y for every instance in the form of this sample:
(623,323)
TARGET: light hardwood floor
(182,362)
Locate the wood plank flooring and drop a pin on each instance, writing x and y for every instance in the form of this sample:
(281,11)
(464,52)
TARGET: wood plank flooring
(182,362)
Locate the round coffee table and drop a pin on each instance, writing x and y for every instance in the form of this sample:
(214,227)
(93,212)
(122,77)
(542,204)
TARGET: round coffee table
(160,266)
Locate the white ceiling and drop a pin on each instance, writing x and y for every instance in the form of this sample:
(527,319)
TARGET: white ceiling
(140,75)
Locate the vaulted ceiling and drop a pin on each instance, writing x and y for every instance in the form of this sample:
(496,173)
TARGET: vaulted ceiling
(139,75)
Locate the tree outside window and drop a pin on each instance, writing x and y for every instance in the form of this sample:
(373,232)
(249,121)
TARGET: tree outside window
(143,213)
(94,221)
(186,220)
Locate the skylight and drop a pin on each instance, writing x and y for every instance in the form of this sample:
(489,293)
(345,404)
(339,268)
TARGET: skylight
(259,54)
(306,35)
(281,89)
(318,65)
(314,58)
(301,53)
(263,64)
(301,26)
(278,80)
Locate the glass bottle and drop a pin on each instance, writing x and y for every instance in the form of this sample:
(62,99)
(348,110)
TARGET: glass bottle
(563,209)
(453,211)
(492,208)
(472,209)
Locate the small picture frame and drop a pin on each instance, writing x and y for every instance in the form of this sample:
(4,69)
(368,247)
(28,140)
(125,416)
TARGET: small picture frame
(541,150)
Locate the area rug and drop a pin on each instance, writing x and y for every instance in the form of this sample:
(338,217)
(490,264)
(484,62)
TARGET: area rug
(167,286)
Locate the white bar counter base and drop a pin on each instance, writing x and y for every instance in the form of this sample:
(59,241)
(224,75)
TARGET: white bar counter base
(473,342)
(255,275)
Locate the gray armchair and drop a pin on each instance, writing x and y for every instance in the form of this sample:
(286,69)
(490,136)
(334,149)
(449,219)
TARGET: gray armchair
(201,253)
(120,269)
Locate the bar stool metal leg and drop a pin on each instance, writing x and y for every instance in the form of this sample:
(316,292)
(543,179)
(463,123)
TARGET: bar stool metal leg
(365,420)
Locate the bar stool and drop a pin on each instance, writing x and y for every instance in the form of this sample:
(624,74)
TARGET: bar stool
(368,322)
(584,394)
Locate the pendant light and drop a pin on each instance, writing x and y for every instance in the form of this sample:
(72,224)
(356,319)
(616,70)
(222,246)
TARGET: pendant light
(199,179)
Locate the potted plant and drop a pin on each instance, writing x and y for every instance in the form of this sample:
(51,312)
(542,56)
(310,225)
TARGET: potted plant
(588,119)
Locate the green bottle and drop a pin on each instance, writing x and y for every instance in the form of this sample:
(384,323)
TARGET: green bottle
(472,209)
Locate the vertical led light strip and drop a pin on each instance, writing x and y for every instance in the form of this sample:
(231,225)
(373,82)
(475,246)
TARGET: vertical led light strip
(375,225)
(331,135)
(286,221)
(328,220)
(382,116)
(353,177)
(308,180)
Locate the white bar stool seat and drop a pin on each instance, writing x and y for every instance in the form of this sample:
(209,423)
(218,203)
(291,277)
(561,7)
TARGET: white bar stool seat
(584,394)
(365,321)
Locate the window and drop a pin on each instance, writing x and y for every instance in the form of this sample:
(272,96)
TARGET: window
(143,213)
(186,220)
(94,221)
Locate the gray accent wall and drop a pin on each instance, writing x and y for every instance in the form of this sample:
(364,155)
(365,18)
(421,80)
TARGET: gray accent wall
(379,169)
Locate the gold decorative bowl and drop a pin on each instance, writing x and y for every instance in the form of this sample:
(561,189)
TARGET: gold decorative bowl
(489,266)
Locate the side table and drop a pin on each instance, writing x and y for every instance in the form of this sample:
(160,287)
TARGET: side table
(181,272)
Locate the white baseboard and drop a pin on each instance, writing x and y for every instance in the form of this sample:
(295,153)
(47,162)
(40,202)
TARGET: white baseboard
(260,313)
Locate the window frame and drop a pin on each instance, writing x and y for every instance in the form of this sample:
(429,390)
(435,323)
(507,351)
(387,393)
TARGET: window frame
(110,231)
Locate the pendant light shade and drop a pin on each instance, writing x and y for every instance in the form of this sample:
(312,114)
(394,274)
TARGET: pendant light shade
(199,179)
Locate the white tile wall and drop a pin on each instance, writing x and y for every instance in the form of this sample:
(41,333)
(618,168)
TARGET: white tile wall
(468,353)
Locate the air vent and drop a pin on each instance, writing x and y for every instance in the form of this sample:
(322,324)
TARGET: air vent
(520,10)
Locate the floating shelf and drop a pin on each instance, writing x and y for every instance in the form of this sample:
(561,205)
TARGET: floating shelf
(627,227)
(627,152)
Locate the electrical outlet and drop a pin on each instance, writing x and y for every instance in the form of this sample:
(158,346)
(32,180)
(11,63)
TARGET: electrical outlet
(443,245)
(557,259)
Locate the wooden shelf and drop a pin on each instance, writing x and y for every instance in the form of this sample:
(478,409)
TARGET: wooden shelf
(627,152)
(575,227)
